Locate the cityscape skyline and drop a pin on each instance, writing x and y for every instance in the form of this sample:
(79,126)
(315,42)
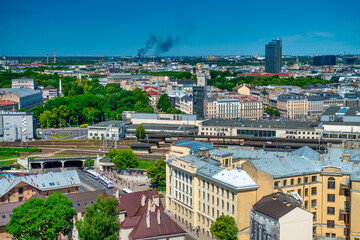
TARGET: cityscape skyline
(196,29)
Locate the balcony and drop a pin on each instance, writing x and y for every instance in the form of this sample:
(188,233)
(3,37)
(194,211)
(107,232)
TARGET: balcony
(345,211)
(344,185)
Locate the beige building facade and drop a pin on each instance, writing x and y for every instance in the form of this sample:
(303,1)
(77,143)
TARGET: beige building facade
(197,195)
(328,184)
(292,106)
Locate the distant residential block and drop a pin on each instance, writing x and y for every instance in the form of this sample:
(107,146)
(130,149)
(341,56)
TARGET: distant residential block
(49,92)
(24,82)
(8,106)
(26,98)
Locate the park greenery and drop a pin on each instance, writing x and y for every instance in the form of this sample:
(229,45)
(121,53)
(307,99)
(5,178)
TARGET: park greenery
(140,132)
(39,219)
(165,105)
(122,159)
(272,112)
(228,80)
(84,101)
(89,162)
(224,228)
(100,221)
(157,173)
(94,105)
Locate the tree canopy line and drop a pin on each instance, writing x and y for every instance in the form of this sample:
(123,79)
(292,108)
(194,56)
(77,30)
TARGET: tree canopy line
(219,80)
(89,102)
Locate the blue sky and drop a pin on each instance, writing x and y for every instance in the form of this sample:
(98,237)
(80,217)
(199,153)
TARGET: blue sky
(121,28)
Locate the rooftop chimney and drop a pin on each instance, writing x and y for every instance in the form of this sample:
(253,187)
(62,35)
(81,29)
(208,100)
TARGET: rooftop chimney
(148,220)
(156,200)
(153,207)
(158,216)
(148,205)
(143,199)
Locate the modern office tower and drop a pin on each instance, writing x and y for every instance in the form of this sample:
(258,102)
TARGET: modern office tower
(324,60)
(273,52)
(348,60)
(199,101)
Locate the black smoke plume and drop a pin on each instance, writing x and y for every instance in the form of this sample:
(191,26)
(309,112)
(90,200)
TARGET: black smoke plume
(159,44)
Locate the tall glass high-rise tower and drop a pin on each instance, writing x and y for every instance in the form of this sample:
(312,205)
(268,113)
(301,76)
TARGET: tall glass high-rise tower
(273,52)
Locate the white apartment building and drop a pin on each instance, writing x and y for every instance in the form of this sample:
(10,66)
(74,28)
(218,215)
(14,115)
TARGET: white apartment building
(186,104)
(228,108)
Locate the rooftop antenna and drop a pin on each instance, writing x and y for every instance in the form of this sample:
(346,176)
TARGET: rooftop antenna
(54,56)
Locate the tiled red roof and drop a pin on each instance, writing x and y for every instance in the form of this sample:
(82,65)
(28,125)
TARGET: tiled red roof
(166,227)
(146,87)
(131,202)
(152,93)
(136,216)
(130,222)
(6,102)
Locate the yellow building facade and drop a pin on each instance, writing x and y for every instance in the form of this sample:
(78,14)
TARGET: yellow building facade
(329,185)
(199,192)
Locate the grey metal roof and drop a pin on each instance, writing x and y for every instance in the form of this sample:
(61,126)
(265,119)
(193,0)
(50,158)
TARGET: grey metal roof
(194,145)
(298,162)
(22,92)
(351,111)
(43,182)
(285,124)
(107,123)
(291,97)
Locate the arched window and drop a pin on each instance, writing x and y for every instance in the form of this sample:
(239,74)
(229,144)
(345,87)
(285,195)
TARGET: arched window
(331,183)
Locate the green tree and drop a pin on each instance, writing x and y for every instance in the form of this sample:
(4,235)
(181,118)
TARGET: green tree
(39,219)
(125,158)
(164,103)
(89,162)
(140,132)
(272,112)
(157,173)
(224,228)
(277,113)
(100,221)
(45,120)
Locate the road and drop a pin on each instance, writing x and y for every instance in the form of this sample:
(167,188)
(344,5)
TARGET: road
(88,184)
(77,133)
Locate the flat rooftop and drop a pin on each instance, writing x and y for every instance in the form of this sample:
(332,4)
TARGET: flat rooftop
(283,124)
